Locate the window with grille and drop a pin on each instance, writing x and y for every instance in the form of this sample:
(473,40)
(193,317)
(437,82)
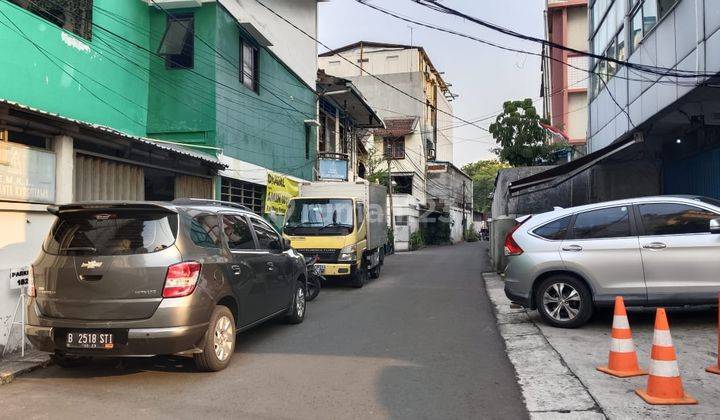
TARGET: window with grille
(241,192)
(72,15)
(394,147)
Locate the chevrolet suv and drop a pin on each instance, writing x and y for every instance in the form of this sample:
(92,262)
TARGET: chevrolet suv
(144,278)
(652,251)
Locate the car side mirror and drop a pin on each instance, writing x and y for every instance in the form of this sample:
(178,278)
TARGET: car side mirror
(715,226)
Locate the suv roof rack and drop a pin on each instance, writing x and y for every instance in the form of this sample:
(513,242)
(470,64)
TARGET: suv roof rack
(208,202)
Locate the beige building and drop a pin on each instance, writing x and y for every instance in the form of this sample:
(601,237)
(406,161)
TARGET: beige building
(409,94)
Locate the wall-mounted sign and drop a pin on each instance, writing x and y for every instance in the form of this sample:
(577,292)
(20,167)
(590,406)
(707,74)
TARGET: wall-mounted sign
(19,277)
(26,174)
(280,189)
(436,167)
(333,169)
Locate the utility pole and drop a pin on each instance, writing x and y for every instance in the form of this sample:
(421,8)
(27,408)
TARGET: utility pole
(464,208)
(390,194)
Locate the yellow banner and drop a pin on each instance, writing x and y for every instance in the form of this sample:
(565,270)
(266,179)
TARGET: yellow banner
(280,189)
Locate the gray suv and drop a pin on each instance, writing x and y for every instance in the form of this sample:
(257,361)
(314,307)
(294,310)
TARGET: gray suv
(652,251)
(143,278)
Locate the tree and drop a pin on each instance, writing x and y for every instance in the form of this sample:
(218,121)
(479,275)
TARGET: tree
(483,174)
(520,138)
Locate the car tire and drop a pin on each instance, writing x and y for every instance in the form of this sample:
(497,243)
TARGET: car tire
(219,343)
(299,305)
(360,276)
(69,362)
(564,301)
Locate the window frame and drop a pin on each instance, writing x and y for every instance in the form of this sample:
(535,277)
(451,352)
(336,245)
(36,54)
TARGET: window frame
(392,143)
(641,225)
(85,33)
(192,217)
(568,228)
(255,86)
(359,214)
(226,243)
(170,64)
(252,219)
(634,233)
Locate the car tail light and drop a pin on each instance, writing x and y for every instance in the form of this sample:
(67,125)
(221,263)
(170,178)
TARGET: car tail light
(181,279)
(31,283)
(511,246)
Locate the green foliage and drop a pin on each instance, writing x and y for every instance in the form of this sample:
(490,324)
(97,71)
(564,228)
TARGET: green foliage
(520,138)
(483,174)
(390,235)
(471,235)
(416,240)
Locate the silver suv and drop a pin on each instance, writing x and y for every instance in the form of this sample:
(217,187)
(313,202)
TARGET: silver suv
(651,250)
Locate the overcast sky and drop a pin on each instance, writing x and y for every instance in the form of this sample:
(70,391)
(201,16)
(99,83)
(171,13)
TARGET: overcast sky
(483,76)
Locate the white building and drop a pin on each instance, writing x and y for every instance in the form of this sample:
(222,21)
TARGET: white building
(409,93)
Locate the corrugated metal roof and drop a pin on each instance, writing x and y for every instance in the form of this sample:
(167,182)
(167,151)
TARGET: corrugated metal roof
(160,144)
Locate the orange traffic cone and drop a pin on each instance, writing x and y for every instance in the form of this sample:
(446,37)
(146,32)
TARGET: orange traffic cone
(716,369)
(623,360)
(664,386)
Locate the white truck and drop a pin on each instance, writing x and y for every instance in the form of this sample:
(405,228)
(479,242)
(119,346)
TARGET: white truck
(344,224)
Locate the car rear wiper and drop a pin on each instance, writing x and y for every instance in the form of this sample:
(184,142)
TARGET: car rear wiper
(79,248)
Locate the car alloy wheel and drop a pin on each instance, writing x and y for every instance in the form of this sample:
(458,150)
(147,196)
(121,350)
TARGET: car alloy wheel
(223,338)
(300,302)
(562,302)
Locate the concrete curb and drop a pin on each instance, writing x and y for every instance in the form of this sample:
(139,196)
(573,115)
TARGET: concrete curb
(12,367)
(550,389)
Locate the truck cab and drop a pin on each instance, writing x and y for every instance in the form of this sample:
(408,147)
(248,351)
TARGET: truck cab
(336,228)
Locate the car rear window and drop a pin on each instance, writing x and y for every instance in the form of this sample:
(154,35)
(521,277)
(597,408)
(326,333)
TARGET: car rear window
(554,230)
(112,233)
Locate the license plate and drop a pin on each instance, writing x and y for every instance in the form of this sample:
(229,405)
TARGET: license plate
(89,340)
(320,268)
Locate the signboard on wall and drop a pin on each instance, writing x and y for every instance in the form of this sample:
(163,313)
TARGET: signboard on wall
(333,169)
(280,189)
(26,174)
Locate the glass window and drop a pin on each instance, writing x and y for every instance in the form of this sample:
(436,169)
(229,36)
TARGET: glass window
(178,43)
(319,216)
(650,16)
(621,51)
(72,15)
(237,232)
(611,66)
(360,210)
(266,235)
(554,230)
(675,219)
(249,65)
(242,192)
(604,223)
(394,147)
(637,29)
(112,233)
(205,230)
(664,6)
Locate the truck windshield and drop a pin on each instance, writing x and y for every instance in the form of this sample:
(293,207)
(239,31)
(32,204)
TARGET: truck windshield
(315,217)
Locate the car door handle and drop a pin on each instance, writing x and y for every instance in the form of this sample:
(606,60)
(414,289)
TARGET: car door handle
(270,265)
(236,270)
(655,245)
(572,248)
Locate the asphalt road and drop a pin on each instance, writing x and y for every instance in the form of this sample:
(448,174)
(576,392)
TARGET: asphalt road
(419,343)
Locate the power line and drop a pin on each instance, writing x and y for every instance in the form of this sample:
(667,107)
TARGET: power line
(661,71)
(364,71)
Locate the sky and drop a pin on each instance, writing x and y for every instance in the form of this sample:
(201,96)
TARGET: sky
(483,76)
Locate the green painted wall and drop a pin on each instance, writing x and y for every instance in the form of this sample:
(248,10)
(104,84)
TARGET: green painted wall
(182,101)
(116,80)
(265,128)
(71,76)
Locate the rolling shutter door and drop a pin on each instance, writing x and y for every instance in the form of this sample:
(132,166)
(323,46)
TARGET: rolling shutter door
(102,179)
(193,187)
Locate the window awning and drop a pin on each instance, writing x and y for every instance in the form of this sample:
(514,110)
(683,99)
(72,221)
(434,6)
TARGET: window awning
(574,167)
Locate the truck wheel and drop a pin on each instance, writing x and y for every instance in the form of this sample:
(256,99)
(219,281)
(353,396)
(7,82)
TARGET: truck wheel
(219,343)
(360,277)
(375,272)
